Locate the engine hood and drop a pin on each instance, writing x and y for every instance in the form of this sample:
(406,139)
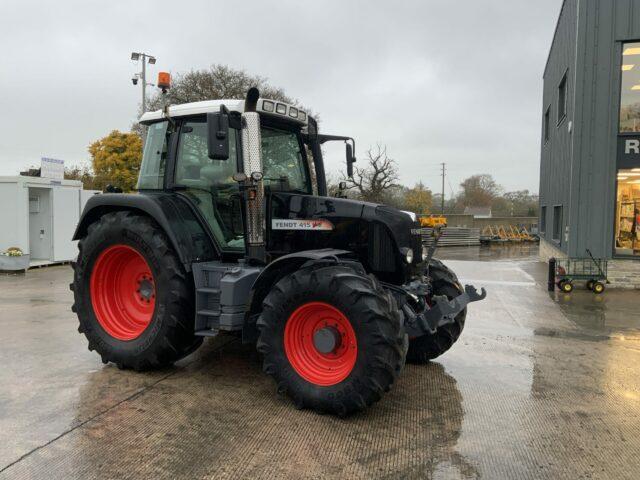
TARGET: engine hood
(377,233)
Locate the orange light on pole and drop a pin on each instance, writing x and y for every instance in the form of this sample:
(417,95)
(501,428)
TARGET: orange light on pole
(164,80)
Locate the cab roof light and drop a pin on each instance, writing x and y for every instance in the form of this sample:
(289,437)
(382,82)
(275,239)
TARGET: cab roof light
(293,112)
(267,106)
(281,108)
(164,80)
(302,115)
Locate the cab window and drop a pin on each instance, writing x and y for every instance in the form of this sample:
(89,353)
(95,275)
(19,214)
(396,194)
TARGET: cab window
(284,163)
(154,157)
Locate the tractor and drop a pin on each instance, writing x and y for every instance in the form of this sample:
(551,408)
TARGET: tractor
(231,232)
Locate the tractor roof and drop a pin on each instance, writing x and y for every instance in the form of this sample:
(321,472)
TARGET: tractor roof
(264,106)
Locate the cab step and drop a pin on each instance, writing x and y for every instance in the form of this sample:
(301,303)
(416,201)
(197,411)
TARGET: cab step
(211,332)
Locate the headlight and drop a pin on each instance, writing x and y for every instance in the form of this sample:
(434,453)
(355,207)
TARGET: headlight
(408,255)
(425,253)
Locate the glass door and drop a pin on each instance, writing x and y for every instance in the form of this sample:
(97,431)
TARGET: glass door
(209,183)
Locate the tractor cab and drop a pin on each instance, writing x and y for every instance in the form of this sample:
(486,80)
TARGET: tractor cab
(210,178)
(229,158)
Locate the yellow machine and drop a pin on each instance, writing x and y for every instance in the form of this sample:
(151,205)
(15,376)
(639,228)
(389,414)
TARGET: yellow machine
(433,221)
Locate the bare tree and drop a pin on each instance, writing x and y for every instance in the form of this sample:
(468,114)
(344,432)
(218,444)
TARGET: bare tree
(376,181)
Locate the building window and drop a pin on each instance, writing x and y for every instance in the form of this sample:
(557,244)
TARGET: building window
(627,240)
(547,114)
(562,98)
(630,88)
(543,219)
(557,222)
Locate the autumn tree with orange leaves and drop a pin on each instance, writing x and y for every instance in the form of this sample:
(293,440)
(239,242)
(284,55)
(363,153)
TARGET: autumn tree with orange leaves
(116,159)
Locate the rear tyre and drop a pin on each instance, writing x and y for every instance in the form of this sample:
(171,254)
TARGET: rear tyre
(332,339)
(427,347)
(132,296)
(590,284)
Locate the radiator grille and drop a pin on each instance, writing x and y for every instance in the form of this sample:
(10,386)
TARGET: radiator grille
(381,252)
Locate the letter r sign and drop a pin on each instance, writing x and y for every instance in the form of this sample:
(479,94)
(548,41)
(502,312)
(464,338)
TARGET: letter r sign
(628,151)
(632,146)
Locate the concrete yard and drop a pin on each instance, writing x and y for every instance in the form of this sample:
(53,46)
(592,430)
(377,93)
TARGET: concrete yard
(540,386)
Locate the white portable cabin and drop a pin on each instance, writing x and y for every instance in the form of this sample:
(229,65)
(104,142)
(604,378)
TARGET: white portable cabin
(39,215)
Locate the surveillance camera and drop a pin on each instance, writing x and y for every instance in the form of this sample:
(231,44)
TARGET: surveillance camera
(134,80)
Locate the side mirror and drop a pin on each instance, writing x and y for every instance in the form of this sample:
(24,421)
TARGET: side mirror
(350,159)
(218,136)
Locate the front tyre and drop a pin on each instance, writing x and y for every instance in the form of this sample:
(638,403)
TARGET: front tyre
(331,338)
(132,296)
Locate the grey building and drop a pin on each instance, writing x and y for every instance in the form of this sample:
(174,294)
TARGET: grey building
(590,145)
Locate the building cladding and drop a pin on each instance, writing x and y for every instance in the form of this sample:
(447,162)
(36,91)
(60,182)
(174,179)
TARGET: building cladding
(590,113)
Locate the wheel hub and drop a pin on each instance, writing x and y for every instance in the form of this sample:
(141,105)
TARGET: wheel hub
(320,343)
(122,292)
(327,340)
(145,289)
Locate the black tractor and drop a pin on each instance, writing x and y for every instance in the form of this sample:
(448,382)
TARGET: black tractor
(232,232)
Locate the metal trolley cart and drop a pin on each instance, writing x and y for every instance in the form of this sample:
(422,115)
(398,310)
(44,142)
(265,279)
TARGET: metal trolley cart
(592,270)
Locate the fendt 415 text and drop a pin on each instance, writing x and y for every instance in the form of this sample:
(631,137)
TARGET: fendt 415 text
(232,231)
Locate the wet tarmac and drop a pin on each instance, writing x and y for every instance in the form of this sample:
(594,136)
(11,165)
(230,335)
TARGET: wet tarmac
(539,386)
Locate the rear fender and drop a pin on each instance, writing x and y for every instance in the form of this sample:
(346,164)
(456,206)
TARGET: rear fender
(187,236)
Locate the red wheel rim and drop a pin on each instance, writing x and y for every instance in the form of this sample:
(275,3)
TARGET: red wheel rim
(122,292)
(314,366)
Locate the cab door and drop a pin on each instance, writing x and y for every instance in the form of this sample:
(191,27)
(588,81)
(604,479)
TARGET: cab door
(209,184)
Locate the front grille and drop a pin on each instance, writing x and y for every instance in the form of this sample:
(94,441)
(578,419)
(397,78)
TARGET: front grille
(381,251)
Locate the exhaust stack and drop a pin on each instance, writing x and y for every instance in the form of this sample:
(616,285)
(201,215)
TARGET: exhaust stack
(251,102)
(254,188)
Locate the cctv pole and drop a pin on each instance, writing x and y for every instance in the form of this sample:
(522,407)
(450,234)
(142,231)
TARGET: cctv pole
(145,57)
(144,82)
(442,198)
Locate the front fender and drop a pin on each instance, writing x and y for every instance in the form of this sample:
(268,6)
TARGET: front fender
(172,213)
(279,268)
(283,266)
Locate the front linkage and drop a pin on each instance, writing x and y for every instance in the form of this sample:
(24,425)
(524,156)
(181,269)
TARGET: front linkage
(425,312)
(425,309)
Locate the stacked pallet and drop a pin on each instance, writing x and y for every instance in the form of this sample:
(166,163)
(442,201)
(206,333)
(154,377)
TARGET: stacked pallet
(452,237)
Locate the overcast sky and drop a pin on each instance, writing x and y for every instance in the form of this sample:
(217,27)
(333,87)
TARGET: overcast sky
(436,81)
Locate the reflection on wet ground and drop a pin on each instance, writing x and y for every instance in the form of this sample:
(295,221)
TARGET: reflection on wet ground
(540,386)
